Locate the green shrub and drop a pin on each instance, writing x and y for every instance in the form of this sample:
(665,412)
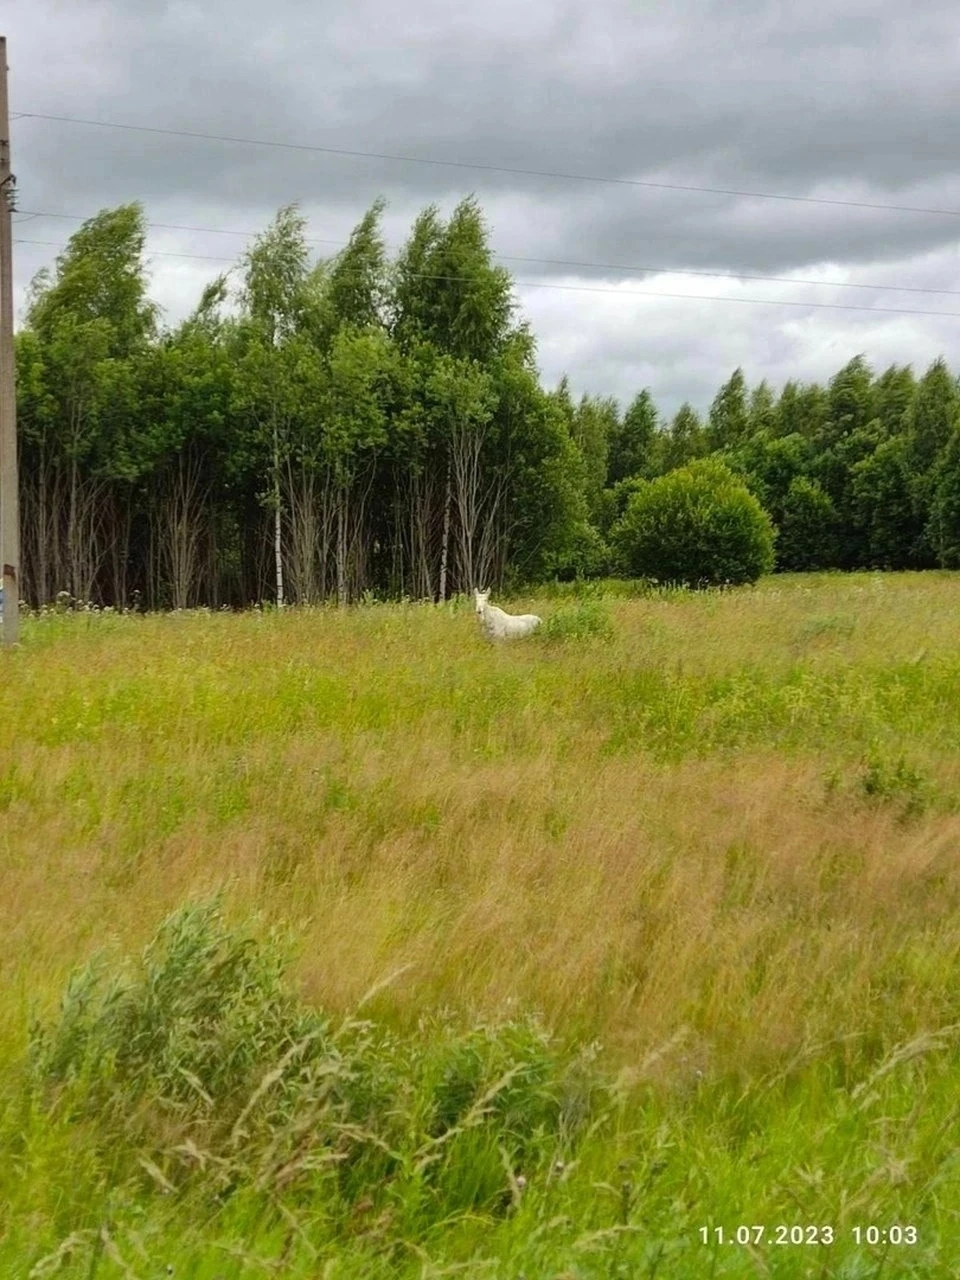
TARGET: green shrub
(698,526)
(197,1065)
(585,619)
(190,1028)
(586,555)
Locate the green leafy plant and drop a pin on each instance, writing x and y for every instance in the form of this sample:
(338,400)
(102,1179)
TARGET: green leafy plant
(699,526)
(586,619)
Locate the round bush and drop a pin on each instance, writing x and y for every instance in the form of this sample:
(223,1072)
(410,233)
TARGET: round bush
(698,526)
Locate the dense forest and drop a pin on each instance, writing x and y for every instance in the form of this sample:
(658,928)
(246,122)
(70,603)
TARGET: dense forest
(321,432)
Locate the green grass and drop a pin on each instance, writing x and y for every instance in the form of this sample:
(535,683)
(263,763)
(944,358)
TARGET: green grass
(347,944)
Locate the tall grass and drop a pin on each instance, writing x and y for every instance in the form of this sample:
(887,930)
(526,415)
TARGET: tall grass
(536,958)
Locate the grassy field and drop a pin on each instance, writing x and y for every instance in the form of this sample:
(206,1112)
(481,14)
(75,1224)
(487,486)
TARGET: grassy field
(414,955)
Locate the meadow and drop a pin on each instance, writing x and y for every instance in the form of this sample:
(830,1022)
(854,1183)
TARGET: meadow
(346,944)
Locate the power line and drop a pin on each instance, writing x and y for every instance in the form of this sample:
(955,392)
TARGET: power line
(708,297)
(554,262)
(633,293)
(162,253)
(493,168)
(175,226)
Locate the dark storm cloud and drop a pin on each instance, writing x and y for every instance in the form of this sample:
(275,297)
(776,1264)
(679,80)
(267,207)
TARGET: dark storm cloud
(851,103)
(783,98)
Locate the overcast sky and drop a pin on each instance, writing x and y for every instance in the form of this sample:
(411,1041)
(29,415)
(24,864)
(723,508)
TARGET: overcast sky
(840,100)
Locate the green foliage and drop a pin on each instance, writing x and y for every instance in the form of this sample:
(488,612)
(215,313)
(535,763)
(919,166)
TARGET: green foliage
(802,411)
(277,402)
(894,394)
(728,422)
(699,526)
(833,468)
(459,393)
(91,325)
(850,402)
(67,383)
(184,387)
(943,530)
(275,272)
(360,385)
(762,413)
(199,1048)
(412,301)
(769,465)
(632,441)
(446,289)
(380,418)
(885,779)
(808,528)
(884,509)
(934,416)
(583,554)
(500,1081)
(355,286)
(99,280)
(546,497)
(595,424)
(587,619)
(187,1028)
(685,440)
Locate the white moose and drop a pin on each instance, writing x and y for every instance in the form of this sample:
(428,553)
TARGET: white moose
(503,626)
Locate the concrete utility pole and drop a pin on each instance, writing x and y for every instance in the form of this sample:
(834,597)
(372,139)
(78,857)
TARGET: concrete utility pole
(9,496)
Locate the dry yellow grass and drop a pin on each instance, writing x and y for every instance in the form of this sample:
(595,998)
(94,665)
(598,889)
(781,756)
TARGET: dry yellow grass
(639,839)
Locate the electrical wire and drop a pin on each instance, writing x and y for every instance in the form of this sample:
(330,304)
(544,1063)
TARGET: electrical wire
(493,168)
(552,262)
(633,293)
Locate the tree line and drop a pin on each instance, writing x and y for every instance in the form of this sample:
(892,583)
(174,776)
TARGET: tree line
(361,425)
(863,473)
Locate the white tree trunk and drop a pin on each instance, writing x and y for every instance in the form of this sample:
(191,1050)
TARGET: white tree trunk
(277,541)
(445,548)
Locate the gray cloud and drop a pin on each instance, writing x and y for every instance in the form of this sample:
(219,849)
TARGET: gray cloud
(852,103)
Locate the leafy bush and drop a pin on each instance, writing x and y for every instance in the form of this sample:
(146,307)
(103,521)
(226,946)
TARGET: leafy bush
(698,525)
(188,1031)
(585,555)
(196,1064)
(583,620)
(614,501)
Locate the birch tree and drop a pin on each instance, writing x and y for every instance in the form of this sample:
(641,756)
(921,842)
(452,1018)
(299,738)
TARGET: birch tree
(274,300)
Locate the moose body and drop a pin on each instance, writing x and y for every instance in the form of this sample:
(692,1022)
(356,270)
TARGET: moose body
(503,626)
